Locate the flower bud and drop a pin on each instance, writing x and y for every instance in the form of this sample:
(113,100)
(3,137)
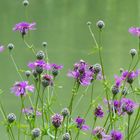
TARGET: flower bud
(11,117)
(10,46)
(34,73)
(100,24)
(55,72)
(66,136)
(133,52)
(39,69)
(130,80)
(121,70)
(27,73)
(36,132)
(97,68)
(124,91)
(88,23)
(44,44)
(65,112)
(25,2)
(47,80)
(40,55)
(115,90)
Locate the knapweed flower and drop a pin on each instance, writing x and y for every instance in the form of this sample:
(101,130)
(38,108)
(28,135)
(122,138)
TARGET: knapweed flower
(24,27)
(128,106)
(98,112)
(57,120)
(30,111)
(55,69)
(81,73)
(118,81)
(20,88)
(135,31)
(39,66)
(80,123)
(116,135)
(99,132)
(47,80)
(130,76)
(117,107)
(1,48)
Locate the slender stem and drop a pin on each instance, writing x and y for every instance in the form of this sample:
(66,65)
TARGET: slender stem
(30,47)
(12,58)
(38,95)
(135,121)
(20,118)
(128,129)
(55,133)
(77,135)
(43,108)
(95,119)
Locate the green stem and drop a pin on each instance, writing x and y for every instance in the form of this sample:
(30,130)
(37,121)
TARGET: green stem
(95,119)
(55,133)
(128,129)
(37,99)
(16,67)
(30,47)
(77,135)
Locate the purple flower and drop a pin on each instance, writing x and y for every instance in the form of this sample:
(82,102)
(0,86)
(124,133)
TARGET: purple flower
(117,105)
(56,67)
(116,135)
(130,76)
(99,132)
(81,73)
(24,27)
(30,111)
(99,112)
(1,48)
(118,81)
(128,106)
(39,63)
(20,88)
(80,122)
(57,120)
(134,31)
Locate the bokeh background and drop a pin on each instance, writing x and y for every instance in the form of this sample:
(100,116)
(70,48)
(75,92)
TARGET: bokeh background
(62,24)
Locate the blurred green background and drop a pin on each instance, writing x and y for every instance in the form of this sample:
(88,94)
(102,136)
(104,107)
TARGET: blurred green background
(62,24)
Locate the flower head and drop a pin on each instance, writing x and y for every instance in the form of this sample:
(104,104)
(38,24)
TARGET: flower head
(116,135)
(99,112)
(128,105)
(24,27)
(99,132)
(57,120)
(82,73)
(39,65)
(20,88)
(30,111)
(134,31)
(80,122)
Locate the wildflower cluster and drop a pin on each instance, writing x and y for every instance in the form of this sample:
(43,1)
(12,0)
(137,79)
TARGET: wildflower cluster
(38,117)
